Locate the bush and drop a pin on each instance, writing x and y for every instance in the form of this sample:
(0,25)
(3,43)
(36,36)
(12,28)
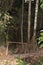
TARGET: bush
(39,61)
(40,39)
(20,62)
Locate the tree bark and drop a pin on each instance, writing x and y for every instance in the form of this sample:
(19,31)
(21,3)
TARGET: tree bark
(29,18)
(34,41)
(22,24)
(35,20)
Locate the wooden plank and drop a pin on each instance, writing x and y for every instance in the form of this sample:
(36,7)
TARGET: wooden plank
(16,42)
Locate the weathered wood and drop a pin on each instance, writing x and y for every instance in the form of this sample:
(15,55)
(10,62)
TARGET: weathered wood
(16,42)
(27,55)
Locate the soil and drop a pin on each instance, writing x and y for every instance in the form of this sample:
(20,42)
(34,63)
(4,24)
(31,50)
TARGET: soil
(32,56)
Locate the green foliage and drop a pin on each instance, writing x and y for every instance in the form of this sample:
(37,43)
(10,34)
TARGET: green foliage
(20,62)
(41,1)
(40,39)
(5,5)
(6,63)
(4,22)
(39,61)
(41,6)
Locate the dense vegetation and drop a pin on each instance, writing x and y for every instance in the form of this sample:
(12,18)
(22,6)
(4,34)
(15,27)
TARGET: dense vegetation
(22,22)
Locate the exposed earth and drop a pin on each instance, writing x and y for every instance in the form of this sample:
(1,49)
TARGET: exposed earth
(10,58)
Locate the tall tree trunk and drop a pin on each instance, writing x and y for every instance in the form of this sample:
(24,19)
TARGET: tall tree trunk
(22,24)
(35,20)
(29,18)
(33,41)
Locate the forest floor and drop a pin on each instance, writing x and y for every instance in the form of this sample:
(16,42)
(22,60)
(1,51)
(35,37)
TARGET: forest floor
(11,57)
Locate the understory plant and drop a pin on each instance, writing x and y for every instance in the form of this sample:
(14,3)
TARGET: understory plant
(40,39)
(20,62)
(4,23)
(39,61)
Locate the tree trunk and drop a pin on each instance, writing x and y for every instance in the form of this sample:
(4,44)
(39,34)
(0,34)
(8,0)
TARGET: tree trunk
(29,18)
(34,41)
(22,24)
(35,20)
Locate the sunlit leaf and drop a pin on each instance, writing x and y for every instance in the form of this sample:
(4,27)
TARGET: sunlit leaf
(41,6)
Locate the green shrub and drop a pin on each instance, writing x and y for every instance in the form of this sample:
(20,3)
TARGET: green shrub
(39,61)
(5,62)
(40,39)
(20,62)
